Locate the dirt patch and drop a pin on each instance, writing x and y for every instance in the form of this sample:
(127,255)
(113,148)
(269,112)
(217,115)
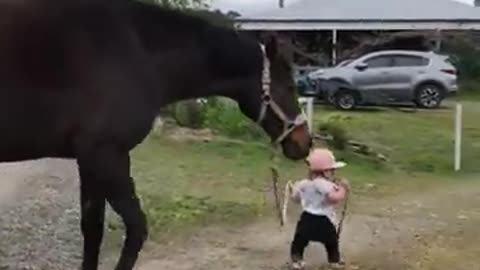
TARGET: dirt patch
(39,229)
(378,235)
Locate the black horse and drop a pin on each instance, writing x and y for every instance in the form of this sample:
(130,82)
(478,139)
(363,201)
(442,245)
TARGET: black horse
(84,79)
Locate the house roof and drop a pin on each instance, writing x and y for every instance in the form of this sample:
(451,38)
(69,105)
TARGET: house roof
(316,13)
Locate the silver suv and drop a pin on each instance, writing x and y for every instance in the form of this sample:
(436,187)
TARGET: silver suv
(425,78)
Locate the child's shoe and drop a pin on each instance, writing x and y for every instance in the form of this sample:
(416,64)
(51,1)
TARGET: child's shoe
(337,266)
(298,265)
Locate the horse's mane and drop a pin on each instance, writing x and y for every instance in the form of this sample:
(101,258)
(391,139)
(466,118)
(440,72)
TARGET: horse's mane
(175,18)
(50,23)
(66,11)
(221,42)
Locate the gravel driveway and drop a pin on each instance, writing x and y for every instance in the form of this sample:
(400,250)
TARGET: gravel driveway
(39,215)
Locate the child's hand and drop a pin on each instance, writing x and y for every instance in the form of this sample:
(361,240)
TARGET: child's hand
(345,183)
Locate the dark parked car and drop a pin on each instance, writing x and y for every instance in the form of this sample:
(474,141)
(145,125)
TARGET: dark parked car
(321,89)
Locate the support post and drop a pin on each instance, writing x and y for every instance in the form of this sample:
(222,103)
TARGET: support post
(308,102)
(334,46)
(458,137)
(287,38)
(310,114)
(438,40)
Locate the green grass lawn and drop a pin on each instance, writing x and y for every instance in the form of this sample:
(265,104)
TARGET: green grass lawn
(184,185)
(419,141)
(192,183)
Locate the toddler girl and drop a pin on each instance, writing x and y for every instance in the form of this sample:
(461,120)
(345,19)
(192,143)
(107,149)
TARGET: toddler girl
(318,195)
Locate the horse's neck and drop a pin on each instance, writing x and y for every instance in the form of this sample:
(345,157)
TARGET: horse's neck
(195,58)
(190,72)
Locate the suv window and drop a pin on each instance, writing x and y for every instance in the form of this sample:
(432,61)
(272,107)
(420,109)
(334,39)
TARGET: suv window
(344,63)
(379,61)
(410,61)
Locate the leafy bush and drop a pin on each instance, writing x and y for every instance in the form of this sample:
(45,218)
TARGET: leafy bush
(219,114)
(224,116)
(470,87)
(189,113)
(334,126)
(464,55)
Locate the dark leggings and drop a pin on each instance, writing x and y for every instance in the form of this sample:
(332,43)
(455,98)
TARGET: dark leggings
(317,229)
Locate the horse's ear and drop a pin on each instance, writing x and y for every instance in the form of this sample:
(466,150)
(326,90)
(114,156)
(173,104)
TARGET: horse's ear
(270,40)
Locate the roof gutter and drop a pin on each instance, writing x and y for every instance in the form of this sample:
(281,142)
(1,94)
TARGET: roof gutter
(357,24)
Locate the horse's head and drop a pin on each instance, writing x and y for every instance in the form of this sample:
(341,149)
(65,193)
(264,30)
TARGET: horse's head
(276,107)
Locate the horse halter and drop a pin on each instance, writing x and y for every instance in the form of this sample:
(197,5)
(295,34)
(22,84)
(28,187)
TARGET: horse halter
(267,101)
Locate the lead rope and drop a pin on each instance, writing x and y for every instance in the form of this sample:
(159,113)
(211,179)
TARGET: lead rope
(286,198)
(344,214)
(275,175)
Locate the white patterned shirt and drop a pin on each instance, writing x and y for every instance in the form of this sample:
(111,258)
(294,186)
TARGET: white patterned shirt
(313,196)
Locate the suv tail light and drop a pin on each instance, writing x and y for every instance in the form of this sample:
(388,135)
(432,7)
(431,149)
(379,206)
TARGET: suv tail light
(450,71)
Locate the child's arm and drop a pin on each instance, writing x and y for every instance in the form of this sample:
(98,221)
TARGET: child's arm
(337,195)
(335,192)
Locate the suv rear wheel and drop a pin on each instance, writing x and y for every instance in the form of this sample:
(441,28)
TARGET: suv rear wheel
(429,96)
(345,100)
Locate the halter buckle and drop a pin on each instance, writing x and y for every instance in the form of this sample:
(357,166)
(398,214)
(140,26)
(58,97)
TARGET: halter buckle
(266,97)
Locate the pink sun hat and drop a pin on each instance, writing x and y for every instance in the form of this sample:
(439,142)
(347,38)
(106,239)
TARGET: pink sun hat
(323,159)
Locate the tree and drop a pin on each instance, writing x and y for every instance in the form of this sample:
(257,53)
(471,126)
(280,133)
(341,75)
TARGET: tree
(183,4)
(215,17)
(232,14)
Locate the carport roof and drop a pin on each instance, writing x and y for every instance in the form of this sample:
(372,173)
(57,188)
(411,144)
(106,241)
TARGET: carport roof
(365,14)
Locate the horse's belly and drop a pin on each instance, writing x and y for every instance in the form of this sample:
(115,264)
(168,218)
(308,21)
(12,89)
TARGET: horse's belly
(31,130)
(18,146)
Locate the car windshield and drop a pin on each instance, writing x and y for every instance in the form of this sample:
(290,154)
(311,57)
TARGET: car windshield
(344,63)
